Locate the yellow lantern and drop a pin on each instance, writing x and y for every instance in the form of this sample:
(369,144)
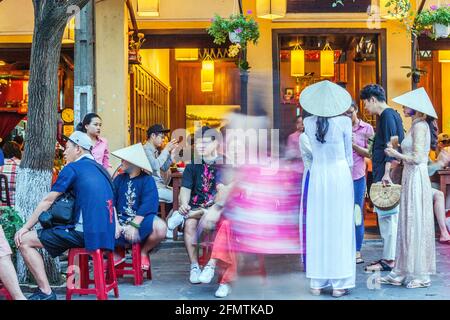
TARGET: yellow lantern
(298,61)
(444,56)
(148,8)
(327,62)
(186,54)
(69,32)
(207,74)
(271,9)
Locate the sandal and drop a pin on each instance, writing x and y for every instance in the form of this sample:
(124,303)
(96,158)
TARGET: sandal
(315,292)
(119,256)
(389,280)
(359,259)
(145,262)
(444,242)
(340,293)
(379,265)
(414,284)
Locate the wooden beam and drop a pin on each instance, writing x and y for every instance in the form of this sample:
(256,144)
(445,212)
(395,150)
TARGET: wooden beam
(132,16)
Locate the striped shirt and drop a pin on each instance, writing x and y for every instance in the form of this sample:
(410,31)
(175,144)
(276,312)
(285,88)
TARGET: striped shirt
(10,170)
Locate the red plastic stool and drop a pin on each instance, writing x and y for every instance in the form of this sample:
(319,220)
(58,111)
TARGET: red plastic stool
(206,246)
(134,268)
(4,292)
(104,275)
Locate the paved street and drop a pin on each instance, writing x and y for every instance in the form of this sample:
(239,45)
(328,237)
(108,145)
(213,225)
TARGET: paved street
(285,280)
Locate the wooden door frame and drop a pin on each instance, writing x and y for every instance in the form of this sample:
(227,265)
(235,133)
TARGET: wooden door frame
(381,64)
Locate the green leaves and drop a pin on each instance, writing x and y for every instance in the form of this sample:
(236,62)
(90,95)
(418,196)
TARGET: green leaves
(246,26)
(10,222)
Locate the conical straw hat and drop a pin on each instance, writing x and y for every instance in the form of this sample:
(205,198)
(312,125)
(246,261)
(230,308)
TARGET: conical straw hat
(325,99)
(418,100)
(134,154)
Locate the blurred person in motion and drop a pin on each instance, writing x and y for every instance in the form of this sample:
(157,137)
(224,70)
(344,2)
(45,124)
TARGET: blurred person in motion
(330,223)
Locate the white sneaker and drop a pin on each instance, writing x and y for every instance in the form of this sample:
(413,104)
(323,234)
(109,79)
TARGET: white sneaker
(207,274)
(195,274)
(175,220)
(223,291)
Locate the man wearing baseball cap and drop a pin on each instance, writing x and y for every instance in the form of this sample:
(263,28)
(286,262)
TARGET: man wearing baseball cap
(160,161)
(93,224)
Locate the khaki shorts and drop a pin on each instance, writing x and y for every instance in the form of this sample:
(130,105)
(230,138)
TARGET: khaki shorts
(5,249)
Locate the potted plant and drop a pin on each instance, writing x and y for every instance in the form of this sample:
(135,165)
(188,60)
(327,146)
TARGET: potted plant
(11,223)
(240,29)
(415,73)
(436,19)
(133,47)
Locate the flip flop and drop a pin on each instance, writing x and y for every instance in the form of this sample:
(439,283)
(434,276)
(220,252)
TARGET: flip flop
(145,262)
(119,257)
(444,242)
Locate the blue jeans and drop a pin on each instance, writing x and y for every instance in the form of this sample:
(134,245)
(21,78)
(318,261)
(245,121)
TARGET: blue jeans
(359,187)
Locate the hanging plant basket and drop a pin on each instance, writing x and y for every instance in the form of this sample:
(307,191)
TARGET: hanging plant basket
(441,30)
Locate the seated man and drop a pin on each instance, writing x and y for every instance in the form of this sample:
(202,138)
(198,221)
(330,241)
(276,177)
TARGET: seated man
(7,272)
(136,203)
(160,161)
(94,215)
(198,188)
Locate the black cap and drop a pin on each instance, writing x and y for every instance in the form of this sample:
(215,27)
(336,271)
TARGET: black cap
(156,128)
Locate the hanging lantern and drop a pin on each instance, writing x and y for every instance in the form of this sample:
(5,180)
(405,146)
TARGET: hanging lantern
(271,9)
(186,54)
(327,62)
(207,74)
(298,61)
(444,56)
(148,8)
(69,32)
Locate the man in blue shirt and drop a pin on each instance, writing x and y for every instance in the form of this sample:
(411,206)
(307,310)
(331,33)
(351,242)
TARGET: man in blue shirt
(389,124)
(94,226)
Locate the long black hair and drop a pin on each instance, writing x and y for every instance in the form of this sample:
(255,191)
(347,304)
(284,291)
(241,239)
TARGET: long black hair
(322,128)
(432,123)
(86,121)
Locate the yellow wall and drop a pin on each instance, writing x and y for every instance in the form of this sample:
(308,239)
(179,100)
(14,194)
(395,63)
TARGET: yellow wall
(445,97)
(112,71)
(157,62)
(16,17)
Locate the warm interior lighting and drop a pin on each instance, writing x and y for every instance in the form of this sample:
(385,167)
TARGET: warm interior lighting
(2,63)
(444,56)
(327,62)
(69,32)
(148,8)
(186,54)
(298,62)
(207,74)
(271,9)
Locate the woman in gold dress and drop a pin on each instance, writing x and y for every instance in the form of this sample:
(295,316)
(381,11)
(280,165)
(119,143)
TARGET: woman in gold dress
(415,253)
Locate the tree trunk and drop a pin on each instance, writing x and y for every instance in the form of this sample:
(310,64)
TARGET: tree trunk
(34,177)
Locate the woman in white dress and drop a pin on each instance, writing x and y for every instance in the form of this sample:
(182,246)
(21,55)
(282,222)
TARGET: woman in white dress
(415,254)
(330,236)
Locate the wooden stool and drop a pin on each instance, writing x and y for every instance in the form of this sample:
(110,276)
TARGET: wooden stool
(102,283)
(134,268)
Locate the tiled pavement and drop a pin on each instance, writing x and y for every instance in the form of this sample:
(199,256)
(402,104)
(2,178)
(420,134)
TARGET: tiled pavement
(285,280)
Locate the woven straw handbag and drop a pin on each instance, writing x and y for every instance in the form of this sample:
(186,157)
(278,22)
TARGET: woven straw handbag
(385,197)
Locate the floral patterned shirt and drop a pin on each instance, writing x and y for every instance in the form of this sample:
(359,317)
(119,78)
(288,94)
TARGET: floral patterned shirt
(202,180)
